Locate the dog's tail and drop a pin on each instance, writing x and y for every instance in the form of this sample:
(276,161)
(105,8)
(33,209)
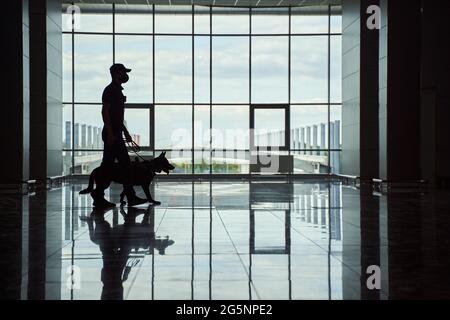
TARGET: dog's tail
(90,187)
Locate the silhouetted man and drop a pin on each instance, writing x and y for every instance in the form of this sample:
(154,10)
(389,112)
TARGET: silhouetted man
(113,131)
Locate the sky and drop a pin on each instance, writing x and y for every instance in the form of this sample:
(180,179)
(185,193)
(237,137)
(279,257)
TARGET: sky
(230,71)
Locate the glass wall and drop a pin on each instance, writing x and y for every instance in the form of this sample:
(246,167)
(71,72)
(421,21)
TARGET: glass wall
(196,74)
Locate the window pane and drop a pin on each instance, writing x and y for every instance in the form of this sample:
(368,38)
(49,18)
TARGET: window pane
(201,71)
(336,23)
(180,159)
(95,22)
(230,72)
(173,69)
(201,127)
(137,122)
(88,127)
(336,69)
(67,67)
(307,163)
(128,22)
(173,19)
(67,162)
(270,20)
(135,52)
(230,127)
(230,21)
(173,127)
(93,57)
(201,161)
(309,126)
(335,162)
(66,20)
(311,19)
(336,121)
(309,69)
(201,20)
(230,161)
(85,162)
(270,69)
(270,127)
(67,127)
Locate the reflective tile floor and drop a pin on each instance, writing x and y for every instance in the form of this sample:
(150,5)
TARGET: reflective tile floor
(227,240)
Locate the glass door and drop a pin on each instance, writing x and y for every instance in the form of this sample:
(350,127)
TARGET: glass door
(269,127)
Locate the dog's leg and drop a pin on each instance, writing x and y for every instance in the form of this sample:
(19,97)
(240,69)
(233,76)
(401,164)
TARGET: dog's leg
(146,189)
(122,195)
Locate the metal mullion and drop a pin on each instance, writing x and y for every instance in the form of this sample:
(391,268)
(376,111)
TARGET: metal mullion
(205,34)
(72,170)
(204,149)
(114,31)
(84,103)
(329,89)
(205,104)
(315,104)
(334,150)
(289,76)
(152,112)
(221,150)
(210,93)
(250,58)
(146,106)
(87,32)
(214,104)
(133,34)
(193,91)
(251,110)
(315,34)
(83,150)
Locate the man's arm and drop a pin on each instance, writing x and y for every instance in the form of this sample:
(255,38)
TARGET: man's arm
(106,115)
(126,133)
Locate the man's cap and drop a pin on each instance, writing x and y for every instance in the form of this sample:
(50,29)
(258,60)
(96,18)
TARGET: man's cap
(118,67)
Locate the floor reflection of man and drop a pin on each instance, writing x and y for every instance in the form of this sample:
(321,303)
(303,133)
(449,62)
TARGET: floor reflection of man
(116,244)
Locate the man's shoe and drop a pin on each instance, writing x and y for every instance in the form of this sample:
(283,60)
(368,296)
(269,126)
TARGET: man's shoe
(135,201)
(103,203)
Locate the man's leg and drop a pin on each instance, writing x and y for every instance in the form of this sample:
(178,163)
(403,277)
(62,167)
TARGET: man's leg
(98,195)
(125,164)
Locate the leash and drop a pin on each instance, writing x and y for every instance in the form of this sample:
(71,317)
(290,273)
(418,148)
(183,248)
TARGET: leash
(135,148)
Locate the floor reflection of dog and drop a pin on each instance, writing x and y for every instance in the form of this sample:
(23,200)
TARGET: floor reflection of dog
(116,244)
(142,173)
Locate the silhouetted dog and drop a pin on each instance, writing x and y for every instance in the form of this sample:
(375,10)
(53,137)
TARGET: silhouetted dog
(142,175)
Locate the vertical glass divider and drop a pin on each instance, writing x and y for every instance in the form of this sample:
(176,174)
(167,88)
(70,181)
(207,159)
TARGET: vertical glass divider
(193,92)
(329,90)
(210,89)
(250,87)
(114,31)
(152,120)
(72,159)
(289,81)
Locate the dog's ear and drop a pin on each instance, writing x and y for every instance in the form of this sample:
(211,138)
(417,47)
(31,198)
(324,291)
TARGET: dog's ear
(163,154)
